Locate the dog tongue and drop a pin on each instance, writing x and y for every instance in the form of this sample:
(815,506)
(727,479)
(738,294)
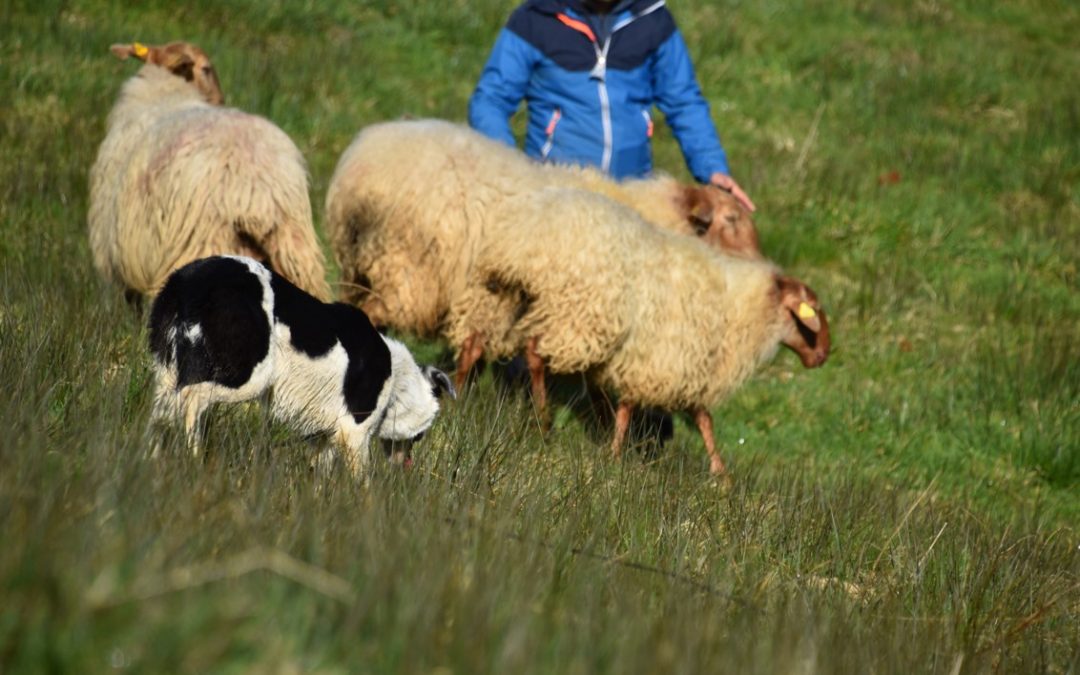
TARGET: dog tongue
(407,463)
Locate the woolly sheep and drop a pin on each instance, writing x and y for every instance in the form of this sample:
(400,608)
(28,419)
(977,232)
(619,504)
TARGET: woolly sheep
(409,201)
(227,329)
(585,285)
(178,177)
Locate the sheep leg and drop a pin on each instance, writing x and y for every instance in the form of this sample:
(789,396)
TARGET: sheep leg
(622,424)
(471,352)
(536,378)
(704,424)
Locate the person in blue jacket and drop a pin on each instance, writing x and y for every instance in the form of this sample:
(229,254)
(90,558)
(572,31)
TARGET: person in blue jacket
(590,71)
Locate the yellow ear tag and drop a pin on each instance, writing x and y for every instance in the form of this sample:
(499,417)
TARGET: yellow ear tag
(140,50)
(806,311)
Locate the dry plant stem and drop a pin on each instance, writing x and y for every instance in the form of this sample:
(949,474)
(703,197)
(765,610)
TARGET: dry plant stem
(1036,617)
(257,559)
(811,136)
(900,525)
(622,423)
(471,352)
(704,424)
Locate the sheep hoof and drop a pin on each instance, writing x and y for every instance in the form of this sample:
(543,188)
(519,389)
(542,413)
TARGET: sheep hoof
(719,473)
(545,421)
(723,481)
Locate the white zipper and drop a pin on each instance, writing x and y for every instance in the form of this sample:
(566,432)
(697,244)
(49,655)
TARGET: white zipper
(648,10)
(605,120)
(599,72)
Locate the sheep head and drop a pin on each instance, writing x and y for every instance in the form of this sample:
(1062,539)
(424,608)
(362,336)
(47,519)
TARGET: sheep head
(720,220)
(182,59)
(806,328)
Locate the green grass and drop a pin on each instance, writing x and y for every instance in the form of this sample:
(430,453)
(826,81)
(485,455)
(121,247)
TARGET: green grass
(910,507)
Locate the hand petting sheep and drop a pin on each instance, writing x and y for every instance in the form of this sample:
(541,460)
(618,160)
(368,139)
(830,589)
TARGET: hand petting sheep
(178,177)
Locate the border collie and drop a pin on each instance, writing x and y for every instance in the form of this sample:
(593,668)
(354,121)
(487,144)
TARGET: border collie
(228,329)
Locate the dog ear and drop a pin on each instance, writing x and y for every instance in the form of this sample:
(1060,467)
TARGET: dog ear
(440,382)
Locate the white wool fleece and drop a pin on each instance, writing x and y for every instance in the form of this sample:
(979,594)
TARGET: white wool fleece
(177,179)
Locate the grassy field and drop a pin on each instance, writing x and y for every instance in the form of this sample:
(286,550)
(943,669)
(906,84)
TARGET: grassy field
(911,507)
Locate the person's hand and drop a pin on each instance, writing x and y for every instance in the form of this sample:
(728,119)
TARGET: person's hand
(726,182)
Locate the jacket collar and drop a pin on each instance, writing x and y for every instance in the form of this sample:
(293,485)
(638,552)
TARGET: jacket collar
(578,6)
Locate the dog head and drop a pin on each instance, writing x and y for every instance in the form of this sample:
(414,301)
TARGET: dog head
(413,401)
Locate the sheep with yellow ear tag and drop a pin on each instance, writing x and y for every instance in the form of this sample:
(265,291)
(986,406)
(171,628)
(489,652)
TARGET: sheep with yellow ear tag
(179,177)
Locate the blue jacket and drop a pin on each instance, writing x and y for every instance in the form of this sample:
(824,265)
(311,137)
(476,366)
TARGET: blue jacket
(590,82)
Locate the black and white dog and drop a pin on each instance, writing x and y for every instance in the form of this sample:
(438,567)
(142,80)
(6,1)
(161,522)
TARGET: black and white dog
(227,329)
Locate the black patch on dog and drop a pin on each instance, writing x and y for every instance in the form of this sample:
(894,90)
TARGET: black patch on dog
(315,327)
(224,299)
(369,359)
(311,328)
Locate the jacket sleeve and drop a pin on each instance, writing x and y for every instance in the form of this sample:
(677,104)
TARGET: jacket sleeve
(687,112)
(502,86)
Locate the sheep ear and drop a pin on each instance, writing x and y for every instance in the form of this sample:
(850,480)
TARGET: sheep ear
(440,382)
(183,67)
(702,213)
(797,299)
(136,49)
(808,316)
(174,57)
(699,210)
